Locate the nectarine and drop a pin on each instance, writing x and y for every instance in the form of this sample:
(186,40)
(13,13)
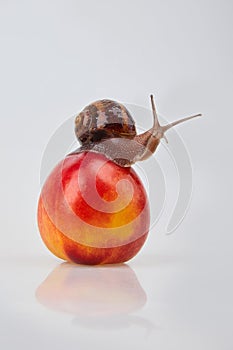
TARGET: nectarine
(92,211)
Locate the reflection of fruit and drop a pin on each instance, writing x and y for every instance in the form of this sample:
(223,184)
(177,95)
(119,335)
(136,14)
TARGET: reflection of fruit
(82,217)
(87,291)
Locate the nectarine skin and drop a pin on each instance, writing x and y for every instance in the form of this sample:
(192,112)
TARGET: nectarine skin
(92,211)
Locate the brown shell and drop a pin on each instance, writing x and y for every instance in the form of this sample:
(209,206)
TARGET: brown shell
(102,120)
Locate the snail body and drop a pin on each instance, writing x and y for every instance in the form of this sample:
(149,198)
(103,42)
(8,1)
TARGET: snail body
(107,127)
(93,208)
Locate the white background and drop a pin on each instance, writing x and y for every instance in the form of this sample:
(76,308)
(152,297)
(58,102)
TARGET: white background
(56,57)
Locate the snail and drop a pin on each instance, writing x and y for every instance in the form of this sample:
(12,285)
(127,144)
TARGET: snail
(93,208)
(107,127)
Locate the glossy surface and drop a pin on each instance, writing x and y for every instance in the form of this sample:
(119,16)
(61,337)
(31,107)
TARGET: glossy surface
(163,300)
(92,211)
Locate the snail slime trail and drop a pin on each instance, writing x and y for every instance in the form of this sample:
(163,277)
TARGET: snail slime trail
(88,221)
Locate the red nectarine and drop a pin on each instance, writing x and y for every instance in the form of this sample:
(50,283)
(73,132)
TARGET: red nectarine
(92,211)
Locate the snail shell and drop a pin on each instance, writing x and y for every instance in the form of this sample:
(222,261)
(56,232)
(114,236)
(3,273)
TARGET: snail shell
(104,119)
